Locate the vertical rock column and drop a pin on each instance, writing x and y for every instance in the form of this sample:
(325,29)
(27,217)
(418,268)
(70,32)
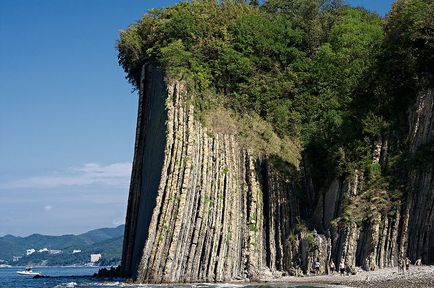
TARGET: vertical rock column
(282,210)
(204,216)
(419,214)
(201,207)
(147,165)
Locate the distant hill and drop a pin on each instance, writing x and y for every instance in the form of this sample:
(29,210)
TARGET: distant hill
(105,241)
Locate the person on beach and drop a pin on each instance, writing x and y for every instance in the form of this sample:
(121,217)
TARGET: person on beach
(401,265)
(407,263)
(342,267)
(332,267)
(418,262)
(317,264)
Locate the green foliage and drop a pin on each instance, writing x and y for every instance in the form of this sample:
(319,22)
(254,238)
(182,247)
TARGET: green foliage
(374,125)
(336,70)
(310,240)
(292,238)
(374,171)
(331,78)
(301,227)
(254,3)
(175,57)
(252,227)
(410,33)
(226,170)
(313,18)
(289,61)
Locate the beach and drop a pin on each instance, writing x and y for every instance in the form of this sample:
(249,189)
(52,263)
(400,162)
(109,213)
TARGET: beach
(416,277)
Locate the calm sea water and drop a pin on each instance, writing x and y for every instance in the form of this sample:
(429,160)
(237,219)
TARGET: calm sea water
(67,277)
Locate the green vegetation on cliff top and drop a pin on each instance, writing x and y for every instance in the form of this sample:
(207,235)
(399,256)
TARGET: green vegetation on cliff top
(333,78)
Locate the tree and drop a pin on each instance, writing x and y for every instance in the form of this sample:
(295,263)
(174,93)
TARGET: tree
(410,34)
(254,3)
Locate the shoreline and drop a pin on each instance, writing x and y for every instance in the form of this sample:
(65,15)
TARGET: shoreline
(416,277)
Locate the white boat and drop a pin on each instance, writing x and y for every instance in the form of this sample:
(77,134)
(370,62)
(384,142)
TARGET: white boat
(28,272)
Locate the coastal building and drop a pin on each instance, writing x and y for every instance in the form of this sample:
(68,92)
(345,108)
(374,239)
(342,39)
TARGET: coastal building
(30,251)
(55,252)
(95,258)
(43,250)
(16,258)
(76,251)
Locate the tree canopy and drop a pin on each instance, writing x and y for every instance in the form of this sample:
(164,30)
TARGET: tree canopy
(332,76)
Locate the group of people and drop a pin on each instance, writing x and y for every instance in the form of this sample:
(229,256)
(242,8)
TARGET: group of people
(342,267)
(404,263)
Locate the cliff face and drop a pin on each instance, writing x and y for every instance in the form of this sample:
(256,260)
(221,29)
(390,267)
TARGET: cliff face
(202,207)
(406,227)
(196,205)
(418,234)
(147,166)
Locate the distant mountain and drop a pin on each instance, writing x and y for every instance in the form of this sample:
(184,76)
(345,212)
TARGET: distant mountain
(103,234)
(106,241)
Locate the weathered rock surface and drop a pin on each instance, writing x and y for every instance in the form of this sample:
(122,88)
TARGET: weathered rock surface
(405,228)
(202,207)
(418,230)
(218,213)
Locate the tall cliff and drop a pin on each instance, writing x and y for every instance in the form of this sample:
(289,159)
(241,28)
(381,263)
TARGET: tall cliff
(418,226)
(277,135)
(204,207)
(388,228)
(201,207)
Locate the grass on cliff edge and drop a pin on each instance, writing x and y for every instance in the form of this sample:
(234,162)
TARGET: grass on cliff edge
(253,133)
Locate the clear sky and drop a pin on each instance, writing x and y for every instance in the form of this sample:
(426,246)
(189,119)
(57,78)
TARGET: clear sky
(67,115)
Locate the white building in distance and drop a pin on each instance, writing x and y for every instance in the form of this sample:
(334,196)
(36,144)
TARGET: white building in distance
(95,258)
(55,251)
(43,250)
(30,251)
(76,251)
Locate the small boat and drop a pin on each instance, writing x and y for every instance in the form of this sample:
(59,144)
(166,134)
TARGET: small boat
(28,272)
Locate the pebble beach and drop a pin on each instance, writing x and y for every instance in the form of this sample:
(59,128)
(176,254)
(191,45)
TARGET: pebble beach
(416,277)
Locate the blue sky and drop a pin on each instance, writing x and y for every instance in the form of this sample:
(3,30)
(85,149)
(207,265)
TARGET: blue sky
(67,115)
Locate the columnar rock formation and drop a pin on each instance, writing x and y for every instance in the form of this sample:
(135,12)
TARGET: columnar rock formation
(419,212)
(214,212)
(202,207)
(406,227)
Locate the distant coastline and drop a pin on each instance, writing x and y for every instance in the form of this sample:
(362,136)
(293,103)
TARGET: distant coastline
(95,248)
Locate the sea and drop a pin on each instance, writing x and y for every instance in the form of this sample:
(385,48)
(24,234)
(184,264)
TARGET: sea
(72,277)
